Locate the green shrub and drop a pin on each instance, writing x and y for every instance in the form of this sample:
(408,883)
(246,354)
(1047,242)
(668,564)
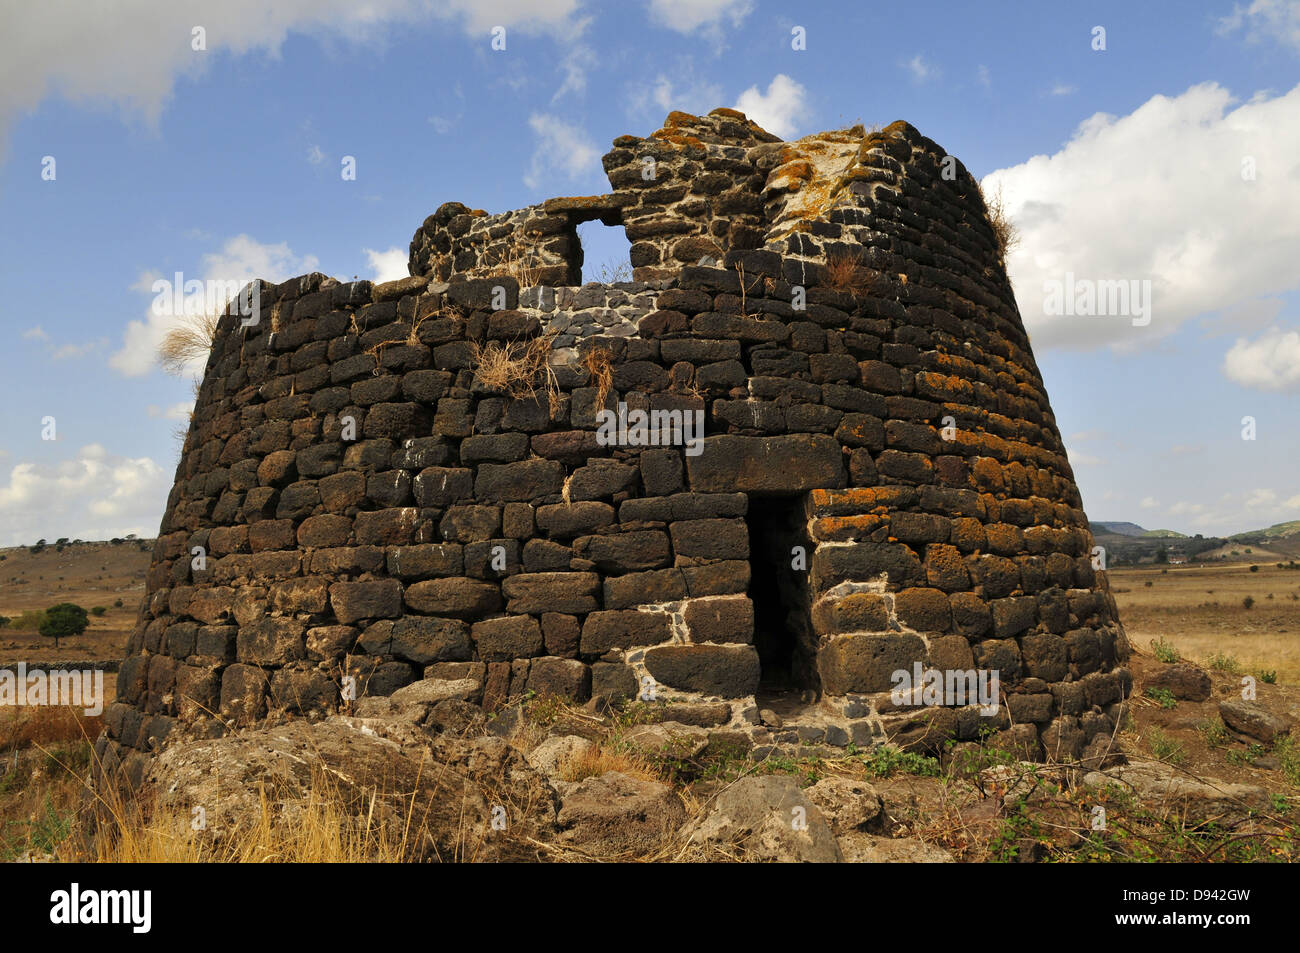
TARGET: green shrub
(1165,748)
(1224,663)
(1164,651)
(98,611)
(28,621)
(1164,696)
(1215,732)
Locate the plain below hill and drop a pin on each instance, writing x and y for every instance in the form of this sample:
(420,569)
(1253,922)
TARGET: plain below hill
(94,575)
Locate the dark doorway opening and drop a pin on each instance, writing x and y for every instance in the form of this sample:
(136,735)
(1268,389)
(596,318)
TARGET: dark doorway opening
(779,551)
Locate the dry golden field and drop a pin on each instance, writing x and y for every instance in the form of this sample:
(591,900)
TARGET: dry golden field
(87,574)
(1200,611)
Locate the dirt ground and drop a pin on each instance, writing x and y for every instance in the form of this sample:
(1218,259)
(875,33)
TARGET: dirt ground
(1200,611)
(87,574)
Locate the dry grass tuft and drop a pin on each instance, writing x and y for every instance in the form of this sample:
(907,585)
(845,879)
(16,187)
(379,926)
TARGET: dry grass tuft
(322,828)
(187,342)
(600,758)
(521,369)
(519,260)
(845,274)
(1004,230)
(599,362)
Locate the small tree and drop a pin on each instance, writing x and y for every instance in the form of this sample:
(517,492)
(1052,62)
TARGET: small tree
(64,620)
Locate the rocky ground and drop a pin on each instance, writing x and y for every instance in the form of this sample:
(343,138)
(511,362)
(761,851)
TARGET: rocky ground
(1195,774)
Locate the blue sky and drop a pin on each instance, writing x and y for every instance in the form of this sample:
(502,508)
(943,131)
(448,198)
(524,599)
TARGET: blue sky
(1117,164)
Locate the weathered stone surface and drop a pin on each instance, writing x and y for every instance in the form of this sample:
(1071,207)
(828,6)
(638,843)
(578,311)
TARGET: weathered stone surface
(866,663)
(1184,680)
(374,599)
(1253,719)
(511,637)
(722,670)
(755,817)
(624,629)
(551,592)
(457,597)
(615,814)
(419,639)
(766,464)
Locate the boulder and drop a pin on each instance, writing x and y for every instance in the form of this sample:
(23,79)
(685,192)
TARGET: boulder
(847,803)
(1183,680)
(1200,799)
(555,752)
(445,814)
(860,848)
(616,815)
(766,818)
(1253,719)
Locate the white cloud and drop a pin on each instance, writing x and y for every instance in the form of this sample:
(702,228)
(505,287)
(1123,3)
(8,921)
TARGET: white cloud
(315,156)
(1277,19)
(528,16)
(73,351)
(920,69)
(576,60)
(780,110)
(982,74)
(1159,195)
(1270,362)
(129,53)
(1261,497)
(241,258)
(1149,503)
(683,90)
(66,351)
(688,16)
(1080,458)
(179,411)
(562,149)
(93,495)
(387,265)
(1062,89)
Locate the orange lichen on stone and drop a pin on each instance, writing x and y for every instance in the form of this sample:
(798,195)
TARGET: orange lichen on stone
(860,499)
(578,203)
(839,528)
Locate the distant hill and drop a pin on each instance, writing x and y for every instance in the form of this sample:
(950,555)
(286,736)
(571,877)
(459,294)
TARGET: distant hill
(1122,529)
(1164,534)
(1291,528)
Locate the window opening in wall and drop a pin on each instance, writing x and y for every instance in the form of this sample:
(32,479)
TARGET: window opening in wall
(605,253)
(783,632)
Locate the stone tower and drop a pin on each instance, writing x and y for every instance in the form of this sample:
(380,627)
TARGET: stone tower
(805,453)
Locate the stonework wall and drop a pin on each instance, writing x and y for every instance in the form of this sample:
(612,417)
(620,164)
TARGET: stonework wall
(366,511)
